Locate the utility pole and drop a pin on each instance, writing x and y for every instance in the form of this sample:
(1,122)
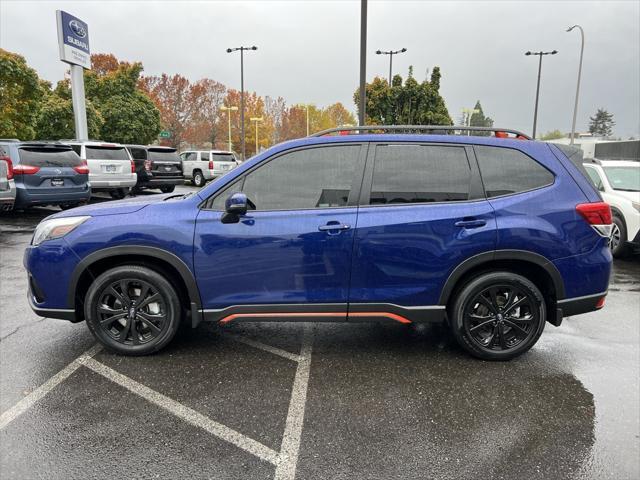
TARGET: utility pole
(391,53)
(363,62)
(535,111)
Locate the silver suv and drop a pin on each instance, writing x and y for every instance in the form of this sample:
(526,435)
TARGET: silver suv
(110,166)
(7,183)
(202,165)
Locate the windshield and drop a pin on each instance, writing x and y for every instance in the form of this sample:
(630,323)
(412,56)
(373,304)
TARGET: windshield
(107,153)
(49,157)
(624,178)
(164,156)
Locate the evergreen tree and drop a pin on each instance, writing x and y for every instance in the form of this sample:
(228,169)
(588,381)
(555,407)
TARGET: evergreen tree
(478,119)
(601,124)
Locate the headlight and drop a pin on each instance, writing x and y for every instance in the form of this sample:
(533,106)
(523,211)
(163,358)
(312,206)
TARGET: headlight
(56,228)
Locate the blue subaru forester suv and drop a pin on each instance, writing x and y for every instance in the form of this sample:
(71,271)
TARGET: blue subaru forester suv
(493,235)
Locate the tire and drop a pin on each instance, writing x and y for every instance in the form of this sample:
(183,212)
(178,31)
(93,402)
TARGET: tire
(167,188)
(198,179)
(68,206)
(115,322)
(618,240)
(485,323)
(118,193)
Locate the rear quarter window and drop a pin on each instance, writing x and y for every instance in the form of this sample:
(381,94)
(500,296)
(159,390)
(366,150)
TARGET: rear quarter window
(106,153)
(48,157)
(506,171)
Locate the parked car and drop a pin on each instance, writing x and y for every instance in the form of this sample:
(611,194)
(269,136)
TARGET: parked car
(7,183)
(47,173)
(356,228)
(156,167)
(110,166)
(619,184)
(199,166)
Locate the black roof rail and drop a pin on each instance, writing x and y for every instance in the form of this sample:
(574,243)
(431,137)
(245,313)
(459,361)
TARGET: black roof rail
(433,129)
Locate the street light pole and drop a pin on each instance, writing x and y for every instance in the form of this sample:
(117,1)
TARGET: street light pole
(535,111)
(391,53)
(242,49)
(229,110)
(363,62)
(256,119)
(575,107)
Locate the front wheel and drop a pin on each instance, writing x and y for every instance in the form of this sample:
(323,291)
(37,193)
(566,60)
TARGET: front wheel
(498,316)
(198,179)
(132,310)
(167,188)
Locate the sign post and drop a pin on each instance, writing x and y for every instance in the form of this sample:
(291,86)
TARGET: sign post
(73,42)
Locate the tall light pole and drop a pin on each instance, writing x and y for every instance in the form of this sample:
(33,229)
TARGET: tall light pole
(535,111)
(391,53)
(575,107)
(256,119)
(224,108)
(242,49)
(363,62)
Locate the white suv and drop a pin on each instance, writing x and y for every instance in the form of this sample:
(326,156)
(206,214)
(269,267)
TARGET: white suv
(110,166)
(619,185)
(202,165)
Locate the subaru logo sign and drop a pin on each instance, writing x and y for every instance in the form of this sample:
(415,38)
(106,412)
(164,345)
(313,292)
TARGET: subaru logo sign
(77,28)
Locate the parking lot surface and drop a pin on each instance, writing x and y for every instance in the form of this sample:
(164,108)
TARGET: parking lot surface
(324,401)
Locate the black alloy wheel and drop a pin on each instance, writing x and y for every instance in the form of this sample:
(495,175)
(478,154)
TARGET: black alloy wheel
(499,315)
(132,310)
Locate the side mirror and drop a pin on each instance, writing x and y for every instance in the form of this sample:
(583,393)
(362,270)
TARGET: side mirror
(235,206)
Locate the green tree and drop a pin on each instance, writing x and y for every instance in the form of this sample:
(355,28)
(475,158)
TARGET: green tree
(411,103)
(20,96)
(601,124)
(552,135)
(56,121)
(478,119)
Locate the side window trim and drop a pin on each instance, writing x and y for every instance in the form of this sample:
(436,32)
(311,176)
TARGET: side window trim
(475,187)
(356,181)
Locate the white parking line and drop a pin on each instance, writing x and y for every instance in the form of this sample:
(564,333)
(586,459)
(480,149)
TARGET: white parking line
(185,413)
(265,347)
(27,402)
(288,458)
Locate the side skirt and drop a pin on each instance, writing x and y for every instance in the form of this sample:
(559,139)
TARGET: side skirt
(326,312)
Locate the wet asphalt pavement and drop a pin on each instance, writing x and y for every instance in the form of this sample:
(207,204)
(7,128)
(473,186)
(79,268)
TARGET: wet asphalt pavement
(382,401)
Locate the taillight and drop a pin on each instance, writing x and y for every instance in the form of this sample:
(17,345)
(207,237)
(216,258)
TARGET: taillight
(210,164)
(600,303)
(147,165)
(25,169)
(83,168)
(9,167)
(133,167)
(598,215)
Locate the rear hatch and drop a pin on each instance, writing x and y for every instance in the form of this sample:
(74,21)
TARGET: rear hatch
(108,160)
(223,161)
(165,162)
(50,169)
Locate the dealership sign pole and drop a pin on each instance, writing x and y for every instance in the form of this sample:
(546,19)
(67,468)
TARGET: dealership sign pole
(73,41)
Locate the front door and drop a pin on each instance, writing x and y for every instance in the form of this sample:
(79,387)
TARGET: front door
(423,212)
(295,248)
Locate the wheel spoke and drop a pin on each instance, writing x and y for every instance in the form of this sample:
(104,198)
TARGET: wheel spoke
(125,331)
(515,304)
(501,338)
(143,293)
(117,294)
(148,300)
(517,328)
(124,287)
(487,303)
(147,320)
(135,338)
(480,325)
(489,340)
(106,322)
(108,310)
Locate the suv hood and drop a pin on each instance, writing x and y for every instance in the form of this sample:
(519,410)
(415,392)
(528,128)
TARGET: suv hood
(113,207)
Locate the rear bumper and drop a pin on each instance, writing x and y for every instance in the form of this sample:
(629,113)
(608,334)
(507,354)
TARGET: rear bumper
(579,305)
(104,182)
(159,181)
(26,197)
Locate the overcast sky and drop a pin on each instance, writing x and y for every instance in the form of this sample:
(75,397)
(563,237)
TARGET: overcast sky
(308,51)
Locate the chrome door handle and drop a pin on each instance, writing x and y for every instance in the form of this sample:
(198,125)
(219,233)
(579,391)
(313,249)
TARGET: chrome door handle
(471,223)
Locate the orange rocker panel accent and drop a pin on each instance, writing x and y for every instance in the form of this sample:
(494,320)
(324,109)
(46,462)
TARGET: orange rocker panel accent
(392,316)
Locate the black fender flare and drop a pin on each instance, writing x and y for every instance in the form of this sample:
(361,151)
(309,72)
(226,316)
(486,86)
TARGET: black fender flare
(140,251)
(488,257)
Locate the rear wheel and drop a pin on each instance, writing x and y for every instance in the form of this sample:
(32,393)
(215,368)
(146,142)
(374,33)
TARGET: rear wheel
(167,188)
(498,316)
(132,310)
(198,179)
(118,193)
(618,239)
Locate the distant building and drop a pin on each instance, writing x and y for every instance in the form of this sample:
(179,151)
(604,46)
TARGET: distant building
(598,147)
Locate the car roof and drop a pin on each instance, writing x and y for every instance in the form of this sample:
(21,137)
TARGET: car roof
(38,143)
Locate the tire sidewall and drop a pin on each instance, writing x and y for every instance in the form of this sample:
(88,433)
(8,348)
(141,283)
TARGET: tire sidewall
(621,249)
(198,179)
(471,289)
(161,284)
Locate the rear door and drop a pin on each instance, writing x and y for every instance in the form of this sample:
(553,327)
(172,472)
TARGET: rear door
(50,169)
(422,213)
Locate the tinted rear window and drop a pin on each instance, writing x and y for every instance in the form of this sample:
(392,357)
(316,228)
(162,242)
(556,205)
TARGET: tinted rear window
(107,153)
(163,156)
(49,157)
(223,157)
(506,171)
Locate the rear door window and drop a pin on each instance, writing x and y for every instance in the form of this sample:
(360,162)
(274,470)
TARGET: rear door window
(506,171)
(163,156)
(419,174)
(106,153)
(204,156)
(48,157)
